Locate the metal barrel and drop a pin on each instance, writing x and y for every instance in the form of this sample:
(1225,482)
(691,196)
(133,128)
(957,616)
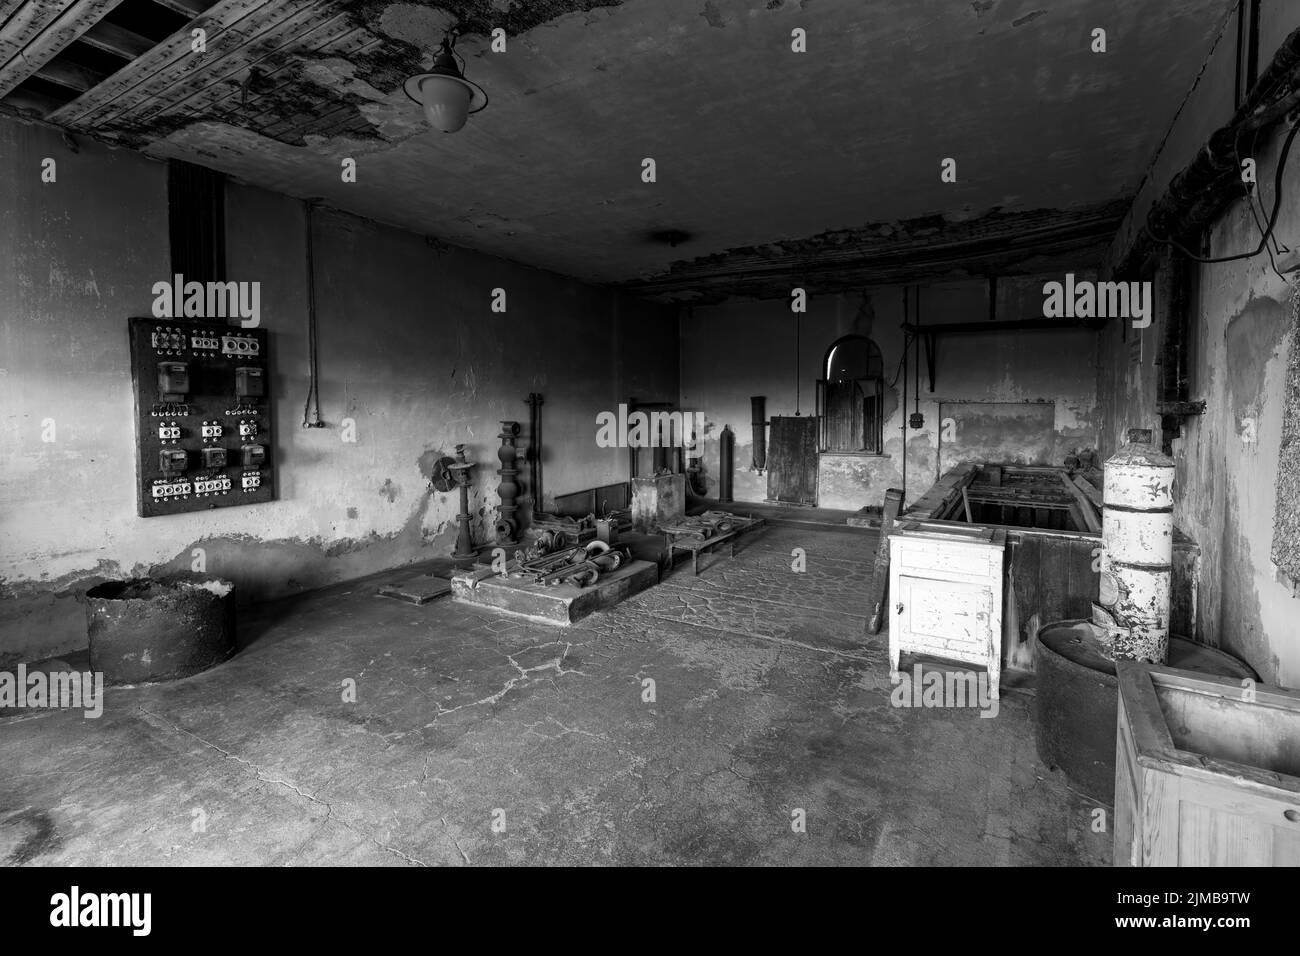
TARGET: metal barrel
(1137,535)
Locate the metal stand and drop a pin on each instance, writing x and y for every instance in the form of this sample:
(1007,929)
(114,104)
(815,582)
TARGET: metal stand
(460,469)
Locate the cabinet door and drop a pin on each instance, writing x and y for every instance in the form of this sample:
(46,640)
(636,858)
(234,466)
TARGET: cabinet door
(945,618)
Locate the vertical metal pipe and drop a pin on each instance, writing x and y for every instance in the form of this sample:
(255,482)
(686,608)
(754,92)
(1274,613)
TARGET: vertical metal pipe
(758,421)
(534,401)
(902,407)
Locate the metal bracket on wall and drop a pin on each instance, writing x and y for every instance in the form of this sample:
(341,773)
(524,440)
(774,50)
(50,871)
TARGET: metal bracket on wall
(1172,416)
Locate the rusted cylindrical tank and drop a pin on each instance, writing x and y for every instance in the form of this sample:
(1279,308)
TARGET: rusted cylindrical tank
(1137,537)
(726,463)
(142,631)
(1076,699)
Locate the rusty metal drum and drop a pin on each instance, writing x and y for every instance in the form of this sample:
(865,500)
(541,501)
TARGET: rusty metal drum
(143,631)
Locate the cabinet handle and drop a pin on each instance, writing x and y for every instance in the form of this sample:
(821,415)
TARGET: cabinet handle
(898,608)
(1292,815)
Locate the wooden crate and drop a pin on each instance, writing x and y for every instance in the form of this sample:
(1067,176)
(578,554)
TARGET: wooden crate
(1207,771)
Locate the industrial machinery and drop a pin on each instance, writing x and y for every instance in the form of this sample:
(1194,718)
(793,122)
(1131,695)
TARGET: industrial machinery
(449,473)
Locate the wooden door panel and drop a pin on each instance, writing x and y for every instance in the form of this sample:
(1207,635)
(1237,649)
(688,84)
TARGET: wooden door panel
(792,460)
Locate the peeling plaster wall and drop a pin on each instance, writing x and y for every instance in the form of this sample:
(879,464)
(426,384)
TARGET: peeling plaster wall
(1242,327)
(408,348)
(744,348)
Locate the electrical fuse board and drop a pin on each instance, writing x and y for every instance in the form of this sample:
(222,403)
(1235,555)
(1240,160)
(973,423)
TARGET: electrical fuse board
(202,416)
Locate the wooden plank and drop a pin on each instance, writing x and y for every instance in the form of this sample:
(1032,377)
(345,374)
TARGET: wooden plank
(1086,509)
(71,23)
(1088,488)
(240,42)
(113,39)
(1082,583)
(25,23)
(1054,580)
(220,76)
(223,90)
(880,574)
(1025,556)
(165,57)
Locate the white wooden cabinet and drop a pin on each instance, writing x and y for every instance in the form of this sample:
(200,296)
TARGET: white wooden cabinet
(945,596)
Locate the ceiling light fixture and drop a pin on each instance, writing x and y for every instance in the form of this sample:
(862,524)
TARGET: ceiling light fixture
(447,97)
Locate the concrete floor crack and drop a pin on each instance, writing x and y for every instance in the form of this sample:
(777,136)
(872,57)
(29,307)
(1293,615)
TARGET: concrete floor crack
(260,774)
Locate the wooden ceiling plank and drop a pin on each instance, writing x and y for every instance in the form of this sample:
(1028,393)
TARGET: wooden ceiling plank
(74,20)
(200,93)
(220,18)
(156,93)
(7,8)
(254,116)
(27,23)
(113,39)
(303,122)
(343,46)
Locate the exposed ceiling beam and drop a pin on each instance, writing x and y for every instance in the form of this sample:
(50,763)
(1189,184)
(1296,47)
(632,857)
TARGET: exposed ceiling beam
(114,39)
(224,25)
(884,253)
(25,101)
(43,33)
(69,75)
(189,8)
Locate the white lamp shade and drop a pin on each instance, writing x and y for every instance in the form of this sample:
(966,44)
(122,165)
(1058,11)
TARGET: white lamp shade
(445,101)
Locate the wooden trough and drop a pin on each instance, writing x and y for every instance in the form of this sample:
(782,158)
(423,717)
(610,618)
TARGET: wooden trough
(1207,771)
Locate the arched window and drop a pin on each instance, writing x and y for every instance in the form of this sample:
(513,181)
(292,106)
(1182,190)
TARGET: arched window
(850,398)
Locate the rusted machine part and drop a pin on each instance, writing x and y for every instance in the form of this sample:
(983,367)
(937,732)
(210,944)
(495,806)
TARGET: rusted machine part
(543,544)
(1137,549)
(507,527)
(584,565)
(758,405)
(536,566)
(726,464)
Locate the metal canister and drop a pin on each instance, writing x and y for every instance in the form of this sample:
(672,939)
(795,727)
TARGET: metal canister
(726,463)
(1137,535)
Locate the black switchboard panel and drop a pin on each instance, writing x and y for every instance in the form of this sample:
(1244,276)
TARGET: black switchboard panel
(202,416)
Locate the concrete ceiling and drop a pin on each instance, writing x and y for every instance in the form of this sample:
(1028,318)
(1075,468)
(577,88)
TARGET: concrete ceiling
(765,157)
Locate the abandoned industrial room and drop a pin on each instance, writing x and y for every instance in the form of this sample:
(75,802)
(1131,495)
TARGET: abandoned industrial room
(650,433)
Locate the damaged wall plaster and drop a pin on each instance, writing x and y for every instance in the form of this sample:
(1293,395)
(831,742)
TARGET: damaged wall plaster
(409,350)
(744,348)
(1227,459)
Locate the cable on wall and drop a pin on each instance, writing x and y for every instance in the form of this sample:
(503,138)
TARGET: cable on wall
(1272,219)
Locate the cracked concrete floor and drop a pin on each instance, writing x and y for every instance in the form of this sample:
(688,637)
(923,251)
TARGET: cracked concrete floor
(478,739)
